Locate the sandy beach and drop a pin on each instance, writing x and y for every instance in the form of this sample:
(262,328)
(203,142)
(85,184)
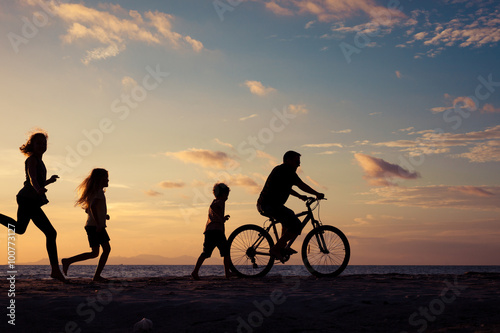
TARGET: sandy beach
(357,303)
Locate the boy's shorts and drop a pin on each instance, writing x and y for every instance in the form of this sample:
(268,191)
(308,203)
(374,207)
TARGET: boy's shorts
(213,239)
(96,238)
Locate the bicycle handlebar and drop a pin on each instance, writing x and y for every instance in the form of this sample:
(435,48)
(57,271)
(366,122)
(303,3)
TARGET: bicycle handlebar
(311,200)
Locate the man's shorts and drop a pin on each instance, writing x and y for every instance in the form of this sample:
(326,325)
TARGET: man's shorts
(213,239)
(284,215)
(96,238)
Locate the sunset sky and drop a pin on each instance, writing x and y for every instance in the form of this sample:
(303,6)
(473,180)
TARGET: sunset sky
(394,106)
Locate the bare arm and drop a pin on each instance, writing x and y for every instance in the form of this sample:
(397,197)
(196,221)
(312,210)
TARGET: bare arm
(51,179)
(308,189)
(300,196)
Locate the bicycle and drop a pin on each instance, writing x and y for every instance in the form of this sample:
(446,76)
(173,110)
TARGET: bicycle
(325,249)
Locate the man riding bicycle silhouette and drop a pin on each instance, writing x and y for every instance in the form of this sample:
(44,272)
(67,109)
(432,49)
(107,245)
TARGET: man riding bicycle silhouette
(272,199)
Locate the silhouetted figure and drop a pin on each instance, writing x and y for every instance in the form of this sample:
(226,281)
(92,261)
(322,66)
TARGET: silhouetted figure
(92,199)
(272,199)
(214,230)
(32,197)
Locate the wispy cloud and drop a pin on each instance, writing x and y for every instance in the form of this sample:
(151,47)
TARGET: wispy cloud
(128,83)
(440,196)
(488,151)
(152,193)
(322,145)
(381,173)
(344,131)
(331,10)
(171,184)
(458,103)
(225,144)
(297,109)
(490,108)
(315,183)
(205,158)
(483,146)
(114,27)
(477,28)
(272,161)
(257,88)
(249,117)
(239,180)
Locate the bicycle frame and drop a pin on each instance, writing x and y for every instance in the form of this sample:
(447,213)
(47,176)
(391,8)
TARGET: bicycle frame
(325,250)
(309,216)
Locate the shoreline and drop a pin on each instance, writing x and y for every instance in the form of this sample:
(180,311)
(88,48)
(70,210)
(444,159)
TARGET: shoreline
(352,303)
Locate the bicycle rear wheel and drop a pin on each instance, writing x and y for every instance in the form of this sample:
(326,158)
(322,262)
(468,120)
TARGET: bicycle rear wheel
(326,251)
(249,247)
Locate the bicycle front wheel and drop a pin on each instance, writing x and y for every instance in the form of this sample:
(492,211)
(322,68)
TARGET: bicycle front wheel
(249,247)
(325,251)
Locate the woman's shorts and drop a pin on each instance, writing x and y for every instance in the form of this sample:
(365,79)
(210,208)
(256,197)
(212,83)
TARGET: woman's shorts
(96,238)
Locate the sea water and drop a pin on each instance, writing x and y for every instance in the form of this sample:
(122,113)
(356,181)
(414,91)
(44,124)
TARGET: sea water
(141,271)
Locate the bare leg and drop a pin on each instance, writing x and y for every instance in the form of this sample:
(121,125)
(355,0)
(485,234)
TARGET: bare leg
(5,220)
(199,262)
(106,249)
(79,257)
(281,243)
(42,222)
(227,269)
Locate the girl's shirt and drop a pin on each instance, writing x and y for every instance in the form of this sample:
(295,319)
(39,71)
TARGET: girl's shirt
(97,211)
(216,219)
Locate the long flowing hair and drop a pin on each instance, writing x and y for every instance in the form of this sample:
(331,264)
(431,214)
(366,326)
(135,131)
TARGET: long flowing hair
(90,186)
(27,148)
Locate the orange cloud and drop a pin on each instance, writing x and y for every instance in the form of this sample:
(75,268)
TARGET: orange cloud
(257,88)
(440,196)
(489,108)
(331,10)
(237,180)
(473,190)
(205,158)
(152,193)
(297,108)
(380,173)
(170,184)
(114,27)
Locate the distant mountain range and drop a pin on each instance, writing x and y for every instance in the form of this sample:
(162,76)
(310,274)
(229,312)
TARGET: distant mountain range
(141,259)
(150,259)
